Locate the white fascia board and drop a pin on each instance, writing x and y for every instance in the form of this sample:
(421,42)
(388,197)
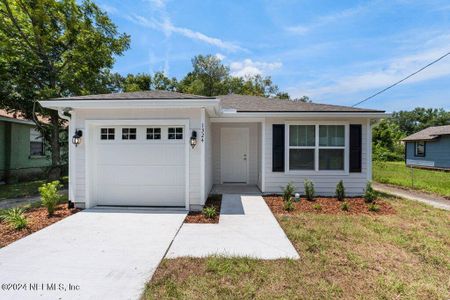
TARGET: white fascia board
(117,104)
(372,115)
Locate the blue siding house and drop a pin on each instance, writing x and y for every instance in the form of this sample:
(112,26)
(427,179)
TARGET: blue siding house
(429,148)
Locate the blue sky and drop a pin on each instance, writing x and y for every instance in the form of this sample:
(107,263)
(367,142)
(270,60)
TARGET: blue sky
(335,52)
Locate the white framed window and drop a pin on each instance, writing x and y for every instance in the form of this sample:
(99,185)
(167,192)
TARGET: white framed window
(175,133)
(128,133)
(331,147)
(154,133)
(107,133)
(316,147)
(36,143)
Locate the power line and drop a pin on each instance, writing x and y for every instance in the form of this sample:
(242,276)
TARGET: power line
(400,81)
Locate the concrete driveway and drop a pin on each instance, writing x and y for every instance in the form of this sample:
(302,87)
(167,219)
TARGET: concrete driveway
(95,254)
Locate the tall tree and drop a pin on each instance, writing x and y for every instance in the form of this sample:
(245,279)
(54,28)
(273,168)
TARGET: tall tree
(420,118)
(51,49)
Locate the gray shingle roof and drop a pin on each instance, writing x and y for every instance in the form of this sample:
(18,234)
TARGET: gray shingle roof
(429,133)
(160,95)
(244,103)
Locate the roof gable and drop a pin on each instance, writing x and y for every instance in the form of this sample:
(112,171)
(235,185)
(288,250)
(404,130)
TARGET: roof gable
(429,133)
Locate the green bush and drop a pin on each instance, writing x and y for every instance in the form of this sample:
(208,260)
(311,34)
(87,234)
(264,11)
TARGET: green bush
(50,195)
(210,212)
(373,207)
(309,189)
(288,205)
(15,218)
(345,206)
(340,191)
(369,193)
(317,206)
(288,190)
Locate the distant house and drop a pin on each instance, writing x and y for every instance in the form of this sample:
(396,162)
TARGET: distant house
(429,148)
(22,152)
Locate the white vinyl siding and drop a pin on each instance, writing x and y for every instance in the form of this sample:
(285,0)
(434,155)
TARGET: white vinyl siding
(79,153)
(324,181)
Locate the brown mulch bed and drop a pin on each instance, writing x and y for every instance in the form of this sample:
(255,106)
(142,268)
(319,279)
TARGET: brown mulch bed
(199,217)
(37,219)
(357,206)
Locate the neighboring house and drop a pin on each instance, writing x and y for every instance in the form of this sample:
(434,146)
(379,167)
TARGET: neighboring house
(429,148)
(22,155)
(158,148)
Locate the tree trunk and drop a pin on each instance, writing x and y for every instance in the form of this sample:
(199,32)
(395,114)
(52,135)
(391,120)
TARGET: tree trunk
(55,170)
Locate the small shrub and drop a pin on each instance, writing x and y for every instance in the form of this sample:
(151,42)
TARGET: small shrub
(50,195)
(210,212)
(369,193)
(288,205)
(373,207)
(340,191)
(345,206)
(309,190)
(15,218)
(288,190)
(317,206)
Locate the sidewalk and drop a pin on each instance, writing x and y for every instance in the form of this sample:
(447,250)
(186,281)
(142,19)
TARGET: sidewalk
(433,200)
(13,202)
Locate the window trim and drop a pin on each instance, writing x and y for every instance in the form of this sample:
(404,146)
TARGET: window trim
(317,147)
(128,134)
(424,149)
(183,133)
(146,134)
(37,139)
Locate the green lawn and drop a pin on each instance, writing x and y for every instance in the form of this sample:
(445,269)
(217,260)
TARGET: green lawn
(401,256)
(20,189)
(397,173)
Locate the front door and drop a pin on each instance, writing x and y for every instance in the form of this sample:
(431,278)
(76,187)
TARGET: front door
(234,155)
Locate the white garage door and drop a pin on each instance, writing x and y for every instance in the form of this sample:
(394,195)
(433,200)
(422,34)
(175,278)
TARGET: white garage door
(140,165)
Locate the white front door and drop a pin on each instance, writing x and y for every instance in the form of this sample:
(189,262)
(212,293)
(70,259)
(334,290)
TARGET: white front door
(234,155)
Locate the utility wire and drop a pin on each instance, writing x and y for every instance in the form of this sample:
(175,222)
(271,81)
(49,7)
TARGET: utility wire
(400,81)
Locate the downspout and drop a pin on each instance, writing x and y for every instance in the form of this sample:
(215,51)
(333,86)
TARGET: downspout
(61,114)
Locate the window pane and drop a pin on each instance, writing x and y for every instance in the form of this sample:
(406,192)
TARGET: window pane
(301,159)
(302,135)
(332,135)
(420,148)
(331,159)
(36,148)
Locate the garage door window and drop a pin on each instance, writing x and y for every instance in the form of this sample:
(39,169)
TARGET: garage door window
(107,133)
(153,133)
(128,133)
(175,133)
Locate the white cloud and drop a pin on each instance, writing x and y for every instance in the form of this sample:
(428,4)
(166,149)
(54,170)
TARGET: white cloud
(220,56)
(109,9)
(158,3)
(168,28)
(248,67)
(327,19)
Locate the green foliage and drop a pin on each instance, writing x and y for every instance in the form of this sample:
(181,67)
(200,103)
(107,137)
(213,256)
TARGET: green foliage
(50,195)
(15,218)
(210,212)
(369,193)
(54,49)
(309,190)
(288,205)
(317,206)
(345,206)
(410,122)
(373,207)
(288,190)
(340,191)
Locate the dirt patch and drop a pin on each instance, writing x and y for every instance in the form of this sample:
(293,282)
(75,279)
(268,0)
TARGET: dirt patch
(199,217)
(37,219)
(356,206)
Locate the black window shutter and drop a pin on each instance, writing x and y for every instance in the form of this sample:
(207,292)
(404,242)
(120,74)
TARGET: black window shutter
(278,148)
(355,148)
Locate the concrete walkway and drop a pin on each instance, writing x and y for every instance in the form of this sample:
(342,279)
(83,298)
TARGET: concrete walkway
(14,202)
(433,200)
(101,253)
(247,227)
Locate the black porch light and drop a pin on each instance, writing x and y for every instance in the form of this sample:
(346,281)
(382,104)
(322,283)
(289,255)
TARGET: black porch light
(193,139)
(76,139)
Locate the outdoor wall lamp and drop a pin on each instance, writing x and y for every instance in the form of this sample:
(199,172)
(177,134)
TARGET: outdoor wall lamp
(193,139)
(76,139)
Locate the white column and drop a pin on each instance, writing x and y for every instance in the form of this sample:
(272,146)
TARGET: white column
(201,136)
